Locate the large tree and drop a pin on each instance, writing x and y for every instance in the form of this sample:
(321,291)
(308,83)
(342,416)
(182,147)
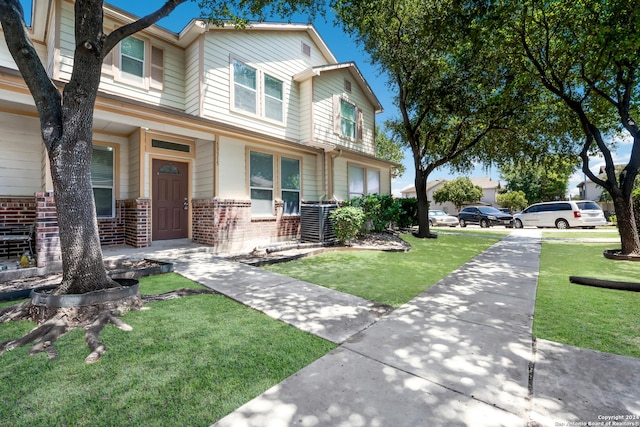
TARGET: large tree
(66,120)
(456,93)
(587,54)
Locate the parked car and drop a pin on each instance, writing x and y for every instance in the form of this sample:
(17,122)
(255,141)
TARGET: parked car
(563,214)
(485,216)
(438,217)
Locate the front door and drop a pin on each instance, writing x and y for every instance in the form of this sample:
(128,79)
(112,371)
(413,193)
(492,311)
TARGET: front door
(170,200)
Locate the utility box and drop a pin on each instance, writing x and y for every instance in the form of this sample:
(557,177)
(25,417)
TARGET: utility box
(315,225)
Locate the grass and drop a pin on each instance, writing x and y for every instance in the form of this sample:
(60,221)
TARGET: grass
(600,319)
(582,234)
(391,278)
(188,361)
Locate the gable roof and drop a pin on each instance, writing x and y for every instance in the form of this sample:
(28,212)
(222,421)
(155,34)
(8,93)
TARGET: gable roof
(352,68)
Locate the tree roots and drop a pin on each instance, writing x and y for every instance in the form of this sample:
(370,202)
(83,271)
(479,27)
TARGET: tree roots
(55,322)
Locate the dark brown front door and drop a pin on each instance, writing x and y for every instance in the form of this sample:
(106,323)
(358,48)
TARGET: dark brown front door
(170,200)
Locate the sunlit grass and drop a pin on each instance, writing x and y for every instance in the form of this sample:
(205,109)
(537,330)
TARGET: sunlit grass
(600,319)
(188,361)
(388,277)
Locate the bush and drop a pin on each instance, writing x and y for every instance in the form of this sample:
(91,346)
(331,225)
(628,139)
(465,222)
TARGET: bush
(381,212)
(408,212)
(347,222)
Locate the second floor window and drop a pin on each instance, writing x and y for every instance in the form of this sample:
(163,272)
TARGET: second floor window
(132,56)
(256,92)
(347,119)
(244,87)
(272,98)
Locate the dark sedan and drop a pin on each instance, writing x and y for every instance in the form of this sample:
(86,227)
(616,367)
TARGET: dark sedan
(484,216)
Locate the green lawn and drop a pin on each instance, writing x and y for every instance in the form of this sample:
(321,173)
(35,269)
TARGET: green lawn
(600,319)
(188,361)
(391,278)
(581,234)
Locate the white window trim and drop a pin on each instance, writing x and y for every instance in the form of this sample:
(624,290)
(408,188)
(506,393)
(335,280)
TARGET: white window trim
(115,149)
(260,113)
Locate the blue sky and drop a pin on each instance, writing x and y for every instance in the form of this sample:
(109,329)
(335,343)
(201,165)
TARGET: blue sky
(345,50)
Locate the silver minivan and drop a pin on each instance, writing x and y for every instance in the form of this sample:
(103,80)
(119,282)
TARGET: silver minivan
(561,214)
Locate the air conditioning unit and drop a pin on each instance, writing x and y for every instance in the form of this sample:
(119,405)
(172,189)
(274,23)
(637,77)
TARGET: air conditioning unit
(315,225)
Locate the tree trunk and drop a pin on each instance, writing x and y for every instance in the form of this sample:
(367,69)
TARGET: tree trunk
(423,205)
(83,267)
(627,225)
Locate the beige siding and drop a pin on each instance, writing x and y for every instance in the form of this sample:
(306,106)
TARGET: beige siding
(122,143)
(21,159)
(325,88)
(193,77)
(306,112)
(231,172)
(278,54)
(204,168)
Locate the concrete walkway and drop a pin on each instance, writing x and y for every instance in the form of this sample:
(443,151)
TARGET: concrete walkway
(459,354)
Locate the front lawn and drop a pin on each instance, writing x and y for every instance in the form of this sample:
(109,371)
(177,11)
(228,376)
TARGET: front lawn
(391,278)
(188,361)
(600,319)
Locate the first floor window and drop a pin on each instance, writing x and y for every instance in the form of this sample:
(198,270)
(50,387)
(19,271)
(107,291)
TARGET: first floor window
(290,185)
(363,181)
(356,181)
(261,183)
(102,180)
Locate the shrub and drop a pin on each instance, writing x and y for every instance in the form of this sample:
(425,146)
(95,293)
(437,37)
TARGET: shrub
(381,211)
(408,212)
(347,222)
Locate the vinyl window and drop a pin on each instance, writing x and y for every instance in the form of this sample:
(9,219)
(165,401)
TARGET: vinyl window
(102,180)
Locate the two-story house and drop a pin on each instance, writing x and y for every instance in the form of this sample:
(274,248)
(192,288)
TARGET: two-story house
(213,134)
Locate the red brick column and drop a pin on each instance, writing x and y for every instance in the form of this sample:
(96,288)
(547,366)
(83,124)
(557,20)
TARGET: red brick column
(137,222)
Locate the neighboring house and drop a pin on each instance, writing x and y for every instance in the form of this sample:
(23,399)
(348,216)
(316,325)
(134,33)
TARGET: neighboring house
(213,134)
(489,193)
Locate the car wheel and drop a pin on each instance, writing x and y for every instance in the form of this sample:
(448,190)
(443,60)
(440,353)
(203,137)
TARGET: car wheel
(430,223)
(463,223)
(484,223)
(562,224)
(518,224)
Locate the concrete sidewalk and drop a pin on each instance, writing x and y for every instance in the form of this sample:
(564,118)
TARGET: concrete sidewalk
(460,354)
